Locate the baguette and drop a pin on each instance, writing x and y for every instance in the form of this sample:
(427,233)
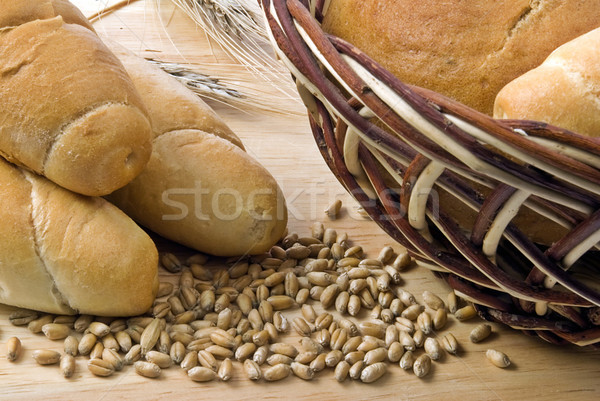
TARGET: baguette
(69,110)
(200,188)
(563,91)
(65,253)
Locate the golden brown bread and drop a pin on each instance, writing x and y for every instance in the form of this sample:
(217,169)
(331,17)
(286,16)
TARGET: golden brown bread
(69,110)
(171,106)
(563,91)
(465,50)
(200,188)
(15,13)
(65,253)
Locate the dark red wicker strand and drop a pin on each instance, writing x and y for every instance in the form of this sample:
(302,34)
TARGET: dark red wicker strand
(505,289)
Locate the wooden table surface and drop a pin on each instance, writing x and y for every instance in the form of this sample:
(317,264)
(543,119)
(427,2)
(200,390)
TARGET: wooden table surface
(284,144)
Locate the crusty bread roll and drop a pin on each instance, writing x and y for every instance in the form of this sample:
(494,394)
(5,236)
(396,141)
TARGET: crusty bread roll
(563,91)
(200,188)
(463,49)
(65,253)
(69,110)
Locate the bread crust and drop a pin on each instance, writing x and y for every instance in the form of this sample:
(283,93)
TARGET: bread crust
(563,91)
(70,112)
(64,253)
(468,51)
(206,193)
(463,49)
(200,188)
(15,13)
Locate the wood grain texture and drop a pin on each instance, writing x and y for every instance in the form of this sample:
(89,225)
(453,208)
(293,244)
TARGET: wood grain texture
(284,144)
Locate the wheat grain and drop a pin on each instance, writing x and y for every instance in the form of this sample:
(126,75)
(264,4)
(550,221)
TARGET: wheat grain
(147,369)
(13,349)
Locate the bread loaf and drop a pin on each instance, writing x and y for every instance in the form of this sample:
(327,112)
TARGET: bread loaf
(467,51)
(563,91)
(69,110)
(463,49)
(200,188)
(15,13)
(65,253)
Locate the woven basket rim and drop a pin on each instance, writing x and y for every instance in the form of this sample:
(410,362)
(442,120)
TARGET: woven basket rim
(472,147)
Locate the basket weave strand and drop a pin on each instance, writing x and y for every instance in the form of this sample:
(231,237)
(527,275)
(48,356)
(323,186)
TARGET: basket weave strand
(432,143)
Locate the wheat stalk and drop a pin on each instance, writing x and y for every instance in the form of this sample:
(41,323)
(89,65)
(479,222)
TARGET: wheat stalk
(199,83)
(109,9)
(237,26)
(235,17)
(231,91)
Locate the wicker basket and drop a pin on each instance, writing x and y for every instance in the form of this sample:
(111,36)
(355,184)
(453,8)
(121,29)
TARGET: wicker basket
(433,144)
